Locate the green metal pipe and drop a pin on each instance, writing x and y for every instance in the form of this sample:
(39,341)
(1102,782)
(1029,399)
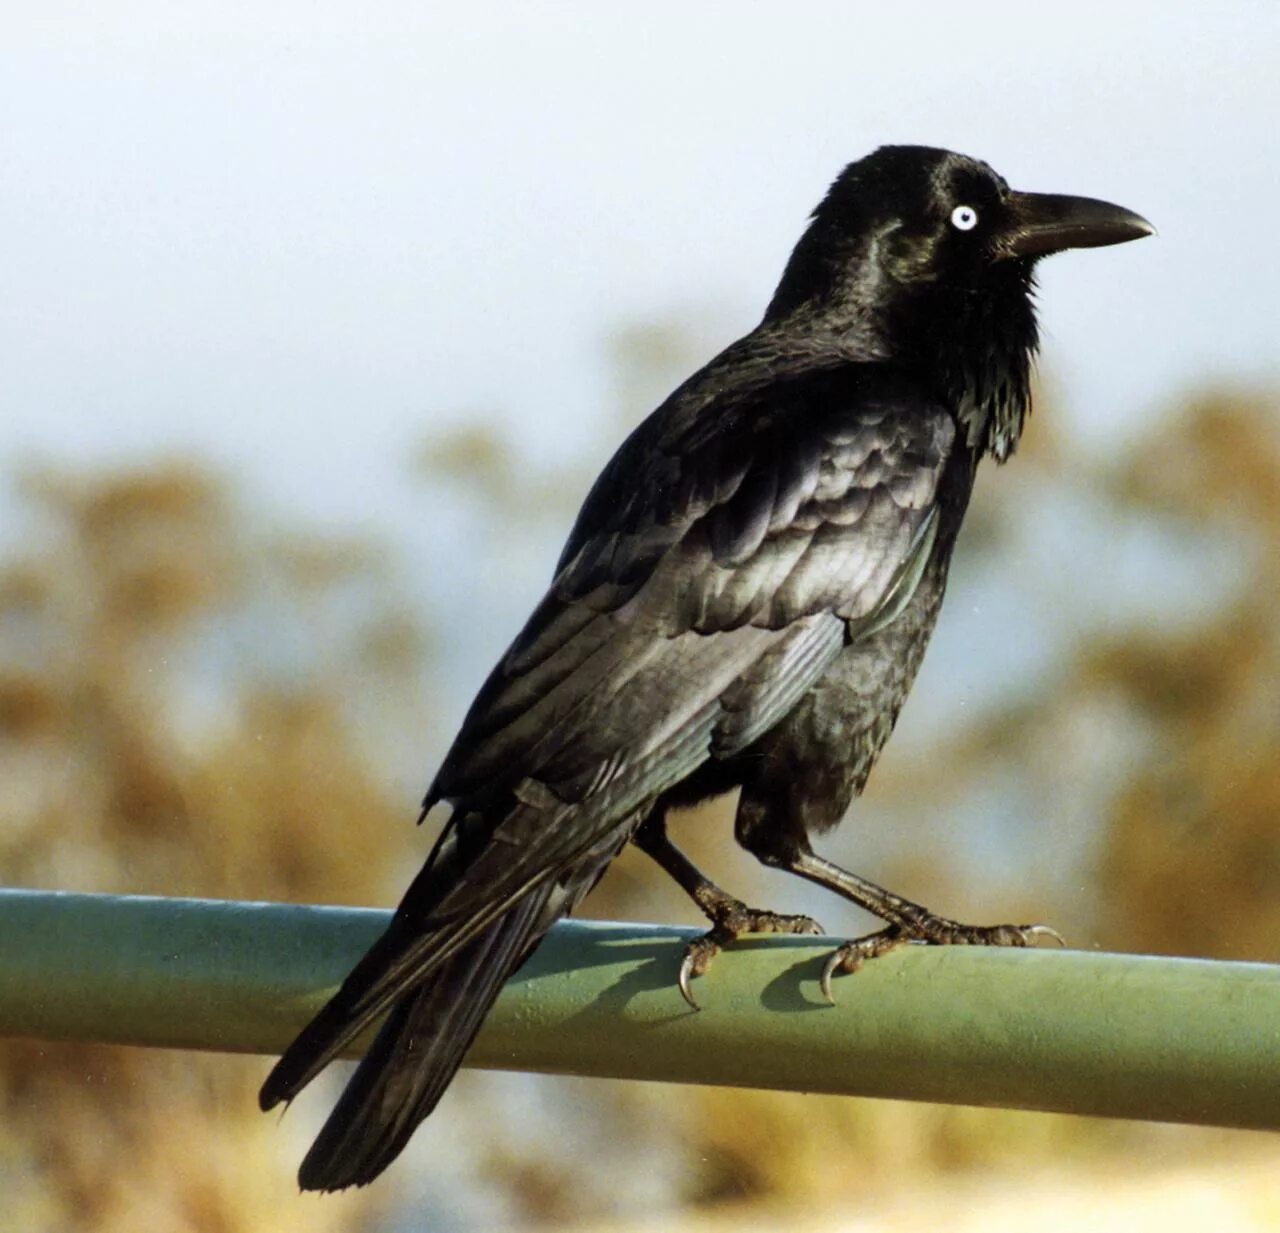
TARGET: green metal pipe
(1117,1035)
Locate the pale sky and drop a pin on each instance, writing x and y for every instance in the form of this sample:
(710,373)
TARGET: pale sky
(299,238)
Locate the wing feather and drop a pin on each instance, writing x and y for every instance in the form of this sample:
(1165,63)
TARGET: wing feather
(734,545)
(711,577)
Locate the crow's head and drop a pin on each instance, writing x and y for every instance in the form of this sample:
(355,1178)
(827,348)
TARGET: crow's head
(926,257)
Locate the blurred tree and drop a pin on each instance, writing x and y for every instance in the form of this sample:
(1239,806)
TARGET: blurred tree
(1192,858)
(143,748)
(192,705)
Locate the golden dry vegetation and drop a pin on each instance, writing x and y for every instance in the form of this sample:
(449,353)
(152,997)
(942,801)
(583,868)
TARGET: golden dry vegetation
(178,693)
(105,633)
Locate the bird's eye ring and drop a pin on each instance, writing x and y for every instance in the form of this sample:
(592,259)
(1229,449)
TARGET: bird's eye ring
(964,218)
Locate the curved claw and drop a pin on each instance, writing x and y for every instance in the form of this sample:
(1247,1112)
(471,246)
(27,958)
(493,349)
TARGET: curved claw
(1044,931)
(729,922)
(682,980)
(828,971)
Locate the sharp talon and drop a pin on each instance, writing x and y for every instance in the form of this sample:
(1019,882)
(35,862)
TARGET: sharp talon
(1046,931)
(828,971)
(683,981)
(730,919)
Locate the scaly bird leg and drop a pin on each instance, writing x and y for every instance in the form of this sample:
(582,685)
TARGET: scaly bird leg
(730,918)
(908,922)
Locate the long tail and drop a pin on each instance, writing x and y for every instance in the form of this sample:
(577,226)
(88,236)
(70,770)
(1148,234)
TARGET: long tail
(416,1053)
(439,975)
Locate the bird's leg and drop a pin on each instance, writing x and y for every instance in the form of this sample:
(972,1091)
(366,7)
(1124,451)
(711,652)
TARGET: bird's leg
(907,922)
(730,918)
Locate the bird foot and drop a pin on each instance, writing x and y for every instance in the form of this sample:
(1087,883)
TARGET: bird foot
(731,921)
(927,930)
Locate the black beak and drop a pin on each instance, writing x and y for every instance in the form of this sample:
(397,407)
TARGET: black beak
(1043,223)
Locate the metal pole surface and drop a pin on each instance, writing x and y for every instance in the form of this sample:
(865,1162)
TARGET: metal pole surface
(1116,1035)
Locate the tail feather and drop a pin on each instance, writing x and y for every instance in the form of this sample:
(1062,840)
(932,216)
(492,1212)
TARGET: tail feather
(417,944)
(439,973)
(417,1051)
(363,996)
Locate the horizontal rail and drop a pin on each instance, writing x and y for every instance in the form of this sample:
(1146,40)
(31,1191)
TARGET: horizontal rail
(1116,1035)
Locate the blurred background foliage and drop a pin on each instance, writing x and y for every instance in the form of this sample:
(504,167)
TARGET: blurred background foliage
(196,702)
(255,250)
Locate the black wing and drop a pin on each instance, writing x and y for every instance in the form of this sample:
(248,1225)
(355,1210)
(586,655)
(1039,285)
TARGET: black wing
(722,560)
(716,568)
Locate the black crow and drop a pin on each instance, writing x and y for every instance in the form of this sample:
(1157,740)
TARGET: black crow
(743,602)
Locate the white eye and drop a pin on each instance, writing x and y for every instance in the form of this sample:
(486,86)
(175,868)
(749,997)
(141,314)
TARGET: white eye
(964,218)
